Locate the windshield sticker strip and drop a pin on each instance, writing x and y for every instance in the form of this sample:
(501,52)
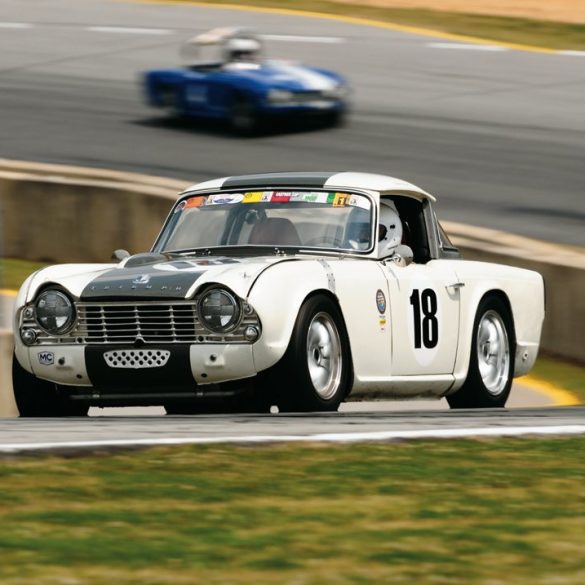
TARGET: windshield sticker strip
(336,199)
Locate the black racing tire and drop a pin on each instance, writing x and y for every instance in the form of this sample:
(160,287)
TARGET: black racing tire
(40,398)
(171,100)
(245,120)
(491,364)
(315,373)
(336,119)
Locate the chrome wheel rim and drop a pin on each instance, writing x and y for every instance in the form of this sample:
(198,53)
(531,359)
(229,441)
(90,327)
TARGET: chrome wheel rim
(324,355)
(493,352)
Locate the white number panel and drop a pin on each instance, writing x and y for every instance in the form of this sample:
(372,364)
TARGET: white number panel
(424,319)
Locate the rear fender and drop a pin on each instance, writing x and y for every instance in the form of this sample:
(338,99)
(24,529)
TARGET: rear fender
(523,292)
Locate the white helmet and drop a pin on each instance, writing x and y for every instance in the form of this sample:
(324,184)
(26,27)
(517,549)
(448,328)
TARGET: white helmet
(241,48)
(389,229)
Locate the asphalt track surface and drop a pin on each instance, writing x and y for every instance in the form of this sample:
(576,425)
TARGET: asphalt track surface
(99,433)
(497,135)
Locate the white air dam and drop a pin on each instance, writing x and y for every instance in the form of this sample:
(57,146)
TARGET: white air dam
(315,438)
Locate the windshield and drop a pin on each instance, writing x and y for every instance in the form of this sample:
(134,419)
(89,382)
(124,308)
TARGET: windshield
(297,219)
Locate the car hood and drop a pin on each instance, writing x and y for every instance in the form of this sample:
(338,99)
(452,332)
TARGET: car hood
(176,279)
(290,77)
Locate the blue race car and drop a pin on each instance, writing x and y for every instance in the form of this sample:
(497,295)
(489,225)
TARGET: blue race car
(245,90)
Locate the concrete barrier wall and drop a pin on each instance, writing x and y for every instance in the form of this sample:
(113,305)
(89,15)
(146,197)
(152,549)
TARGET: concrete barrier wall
(7,404)
(62,214)
(563,269)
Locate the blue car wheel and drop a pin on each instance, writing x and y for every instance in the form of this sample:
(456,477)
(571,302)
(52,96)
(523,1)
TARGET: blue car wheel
(244,117)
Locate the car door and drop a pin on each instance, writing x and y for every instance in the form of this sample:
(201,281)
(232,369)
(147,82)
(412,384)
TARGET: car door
(424,317)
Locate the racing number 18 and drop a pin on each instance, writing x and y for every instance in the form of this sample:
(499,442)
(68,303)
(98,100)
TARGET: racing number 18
(427,328)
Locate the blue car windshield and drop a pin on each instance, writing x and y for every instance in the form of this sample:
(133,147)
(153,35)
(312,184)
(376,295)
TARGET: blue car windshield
(298,219)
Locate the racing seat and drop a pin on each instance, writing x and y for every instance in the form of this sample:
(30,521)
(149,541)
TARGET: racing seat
(275,231)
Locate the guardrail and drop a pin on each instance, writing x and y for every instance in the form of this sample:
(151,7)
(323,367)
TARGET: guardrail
(58,213)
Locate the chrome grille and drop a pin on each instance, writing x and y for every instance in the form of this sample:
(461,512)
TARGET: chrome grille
(124,323)
(303,97)
(152,322)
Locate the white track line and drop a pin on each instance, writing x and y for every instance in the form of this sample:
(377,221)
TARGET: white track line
(572,53)
(467,47)
(128,30)
(18,25)
(324,437)
(303,39)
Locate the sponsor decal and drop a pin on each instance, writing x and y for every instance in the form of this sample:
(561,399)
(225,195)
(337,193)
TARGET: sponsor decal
(340,199)
(253,197)
(358,201)
(266,196)
(194,202)
(280,196)
(196,94)
(46,358)
(224,199)
(311,197)
(380,301)
(330,198)
(142,279)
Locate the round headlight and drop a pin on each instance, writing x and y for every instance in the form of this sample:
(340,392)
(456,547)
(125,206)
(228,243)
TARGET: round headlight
(219,310)
(54,312)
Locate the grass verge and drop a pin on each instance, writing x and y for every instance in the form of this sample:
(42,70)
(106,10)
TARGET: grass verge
(506,511)
(14,272)
(565,375)
(539,33)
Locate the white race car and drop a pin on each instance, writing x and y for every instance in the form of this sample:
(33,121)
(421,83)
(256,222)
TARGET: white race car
(290,289)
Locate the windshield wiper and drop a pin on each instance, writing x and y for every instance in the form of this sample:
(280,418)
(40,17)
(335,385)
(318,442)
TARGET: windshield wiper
(241,250)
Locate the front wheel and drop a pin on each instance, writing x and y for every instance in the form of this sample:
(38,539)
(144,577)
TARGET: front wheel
(315,373)
(245,120)
(36,397)
(491,366)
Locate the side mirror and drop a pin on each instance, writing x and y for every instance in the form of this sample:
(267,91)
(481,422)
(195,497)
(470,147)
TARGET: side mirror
(120,254)
(403,256)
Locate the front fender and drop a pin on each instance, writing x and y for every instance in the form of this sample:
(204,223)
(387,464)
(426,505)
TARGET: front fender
(277,296)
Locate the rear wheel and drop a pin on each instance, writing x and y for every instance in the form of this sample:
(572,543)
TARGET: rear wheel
(171,101)
(315,373)
(491,367)
(36,397)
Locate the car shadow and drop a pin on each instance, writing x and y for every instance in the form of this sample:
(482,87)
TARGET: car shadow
(221,128)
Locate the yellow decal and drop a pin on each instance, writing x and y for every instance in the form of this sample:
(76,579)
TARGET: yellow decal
(253,197)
